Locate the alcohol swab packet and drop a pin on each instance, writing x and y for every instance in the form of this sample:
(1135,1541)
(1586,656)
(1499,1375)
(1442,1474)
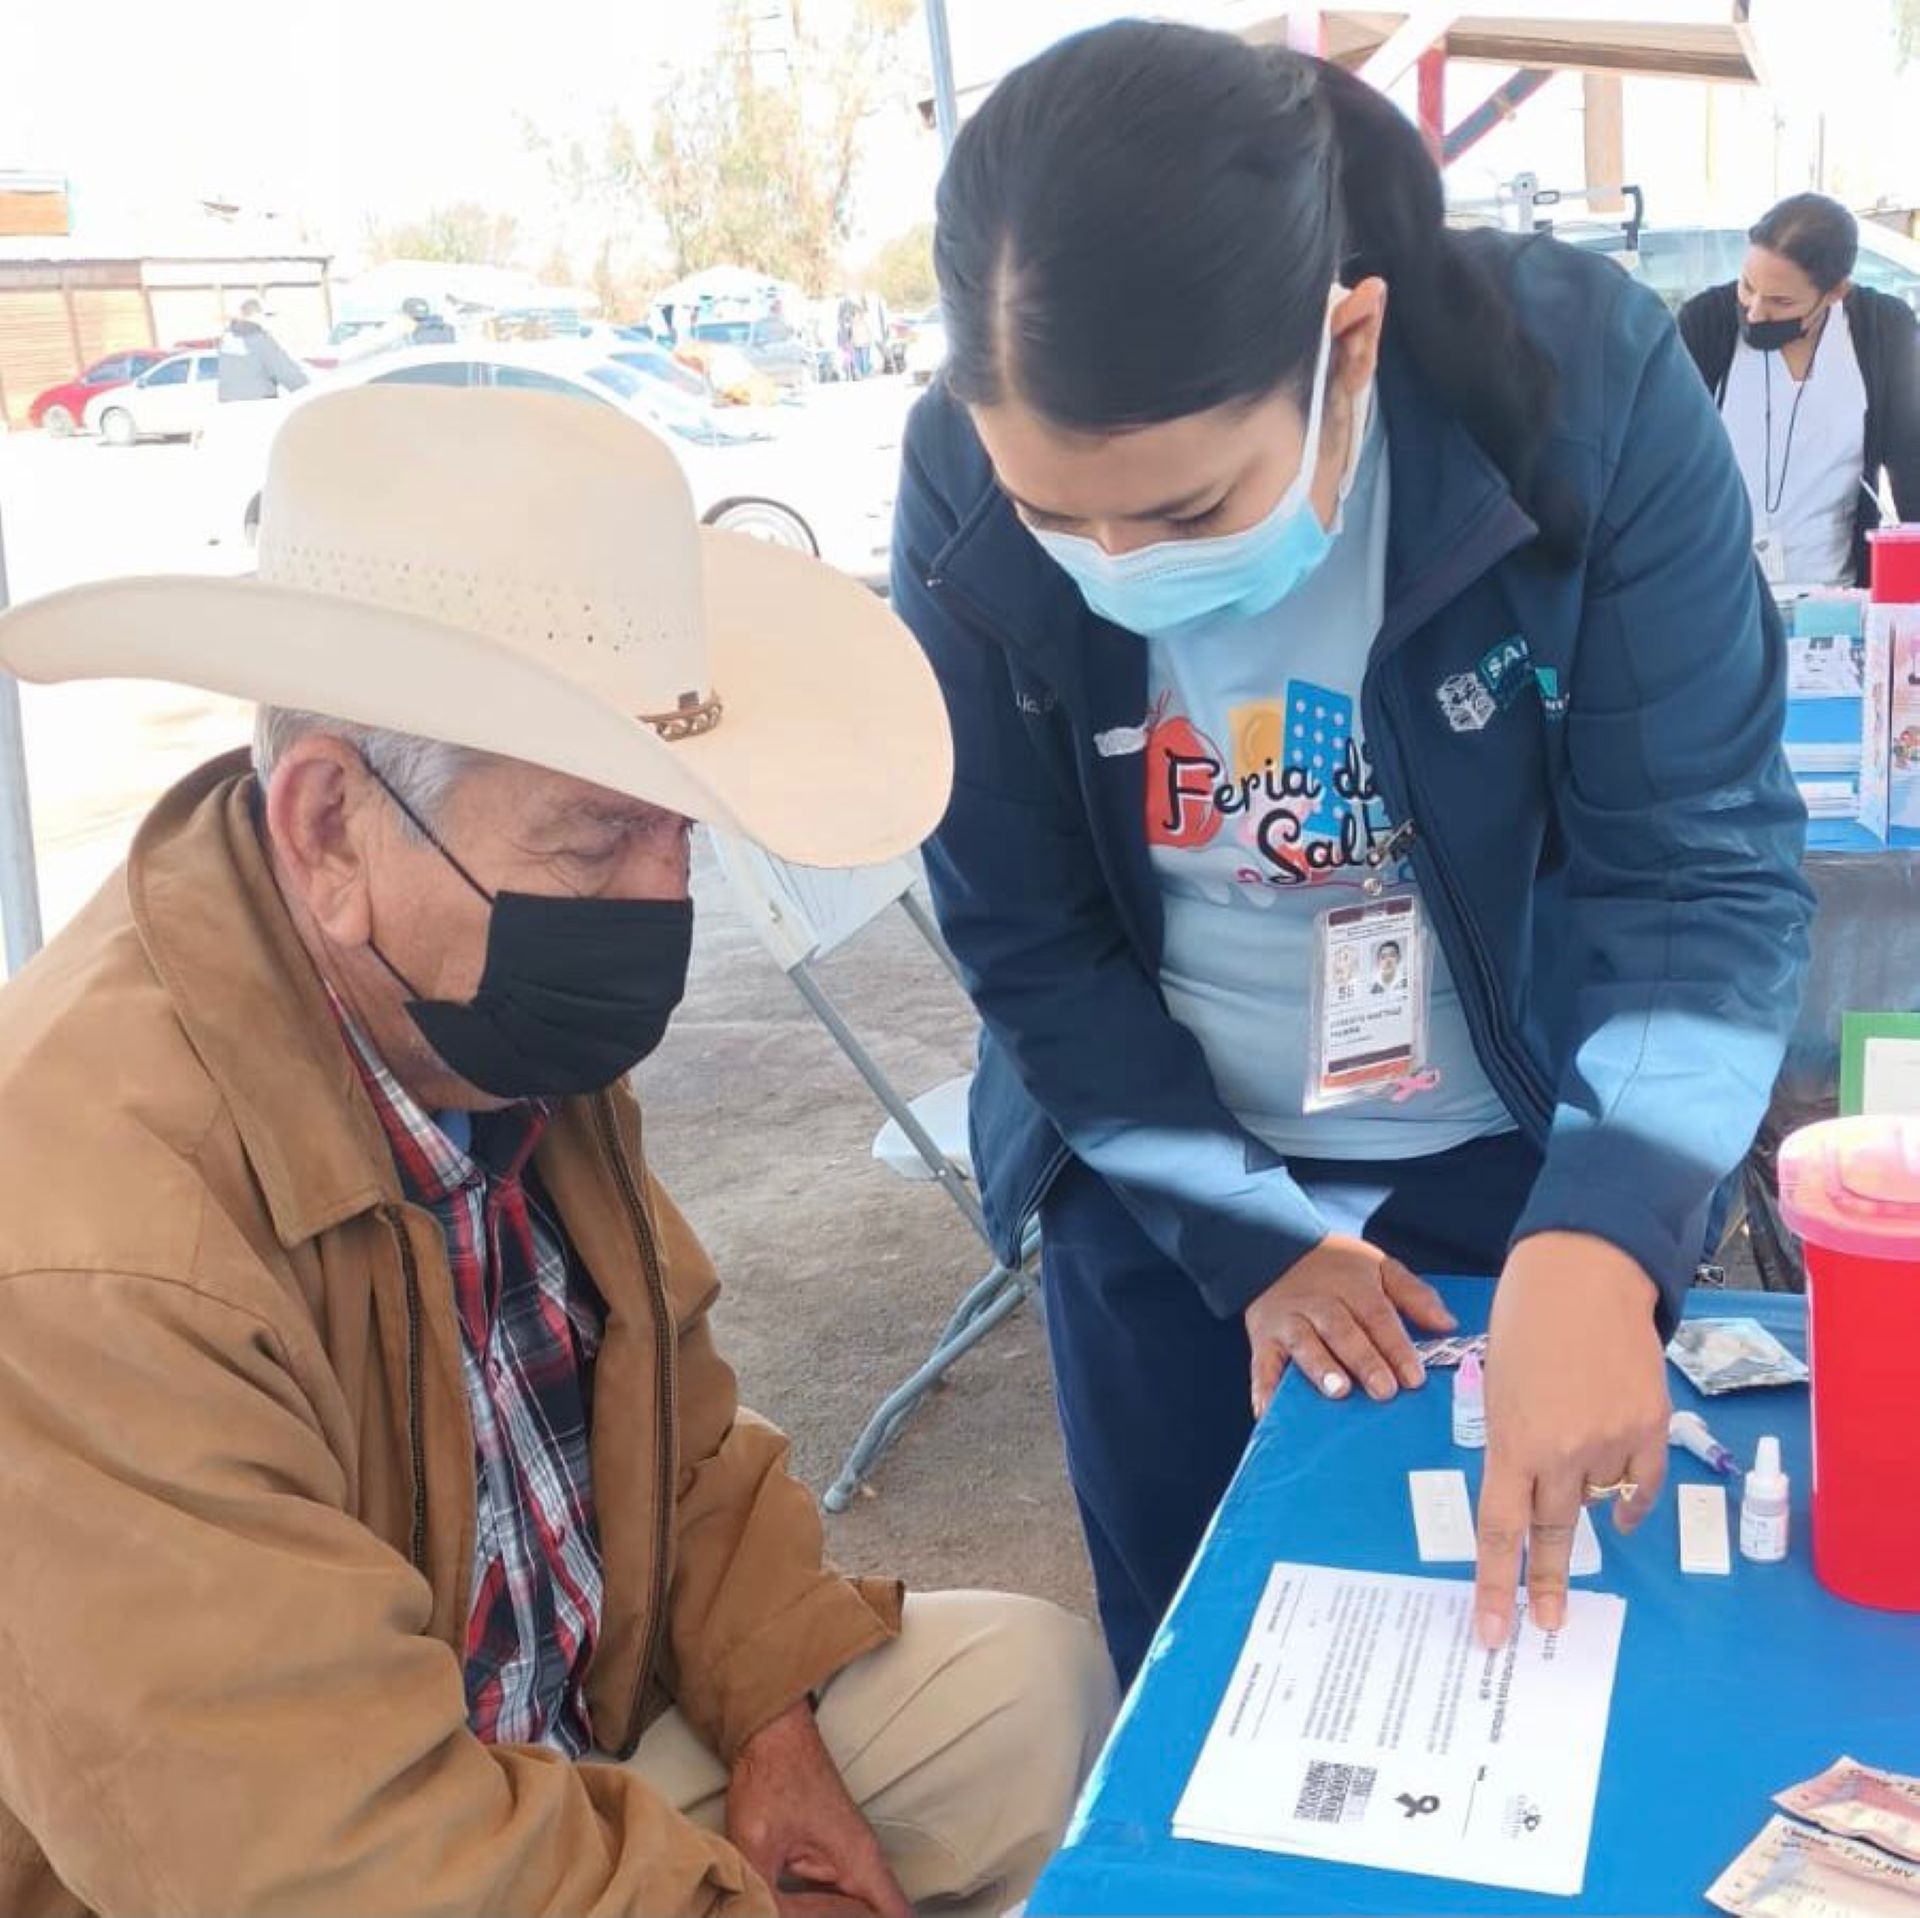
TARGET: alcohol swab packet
(1438,1355)
(1861,1801)
(1790,1872)
(1732,1355)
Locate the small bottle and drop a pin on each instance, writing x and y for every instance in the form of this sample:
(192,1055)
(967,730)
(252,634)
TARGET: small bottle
(1470,1404)
(1764,1507)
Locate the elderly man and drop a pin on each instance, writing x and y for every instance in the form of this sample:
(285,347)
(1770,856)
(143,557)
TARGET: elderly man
(382,1533)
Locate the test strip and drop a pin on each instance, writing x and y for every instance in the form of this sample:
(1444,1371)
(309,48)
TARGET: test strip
(1585,1562)
(1704,1546)
(1442,1517)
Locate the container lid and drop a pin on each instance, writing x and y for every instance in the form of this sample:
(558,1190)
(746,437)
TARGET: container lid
(1853,1185)
(1903,535)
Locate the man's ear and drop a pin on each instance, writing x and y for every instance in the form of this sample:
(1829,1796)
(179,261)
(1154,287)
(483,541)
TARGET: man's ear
(320,816)
(1359,317)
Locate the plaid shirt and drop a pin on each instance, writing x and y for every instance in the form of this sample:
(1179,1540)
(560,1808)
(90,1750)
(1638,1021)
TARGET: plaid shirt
(530,1325)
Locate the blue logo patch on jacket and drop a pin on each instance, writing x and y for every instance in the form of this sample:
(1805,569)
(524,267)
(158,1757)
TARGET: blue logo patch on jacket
(1506,672)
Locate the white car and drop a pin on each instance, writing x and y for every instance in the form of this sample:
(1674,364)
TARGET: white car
(170,401)
(927,351)
(743,478)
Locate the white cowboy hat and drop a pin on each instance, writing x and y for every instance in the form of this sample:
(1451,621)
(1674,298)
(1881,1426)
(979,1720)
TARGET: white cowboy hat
(522,573)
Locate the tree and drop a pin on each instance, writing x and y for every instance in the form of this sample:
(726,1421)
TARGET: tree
(464,234)
(750,155)
(902,271)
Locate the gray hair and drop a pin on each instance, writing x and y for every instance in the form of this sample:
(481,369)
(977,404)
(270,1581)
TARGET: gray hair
(422,771)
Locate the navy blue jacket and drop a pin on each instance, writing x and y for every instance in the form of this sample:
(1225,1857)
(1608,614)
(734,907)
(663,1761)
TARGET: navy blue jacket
(1603,826)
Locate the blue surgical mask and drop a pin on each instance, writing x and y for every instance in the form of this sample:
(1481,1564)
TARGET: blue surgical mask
(1162,589)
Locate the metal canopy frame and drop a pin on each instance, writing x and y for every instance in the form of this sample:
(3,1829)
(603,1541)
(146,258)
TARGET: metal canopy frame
(1666,39)
(1670,39)
(19,875)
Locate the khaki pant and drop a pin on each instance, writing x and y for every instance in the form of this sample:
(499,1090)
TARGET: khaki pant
(964,1742)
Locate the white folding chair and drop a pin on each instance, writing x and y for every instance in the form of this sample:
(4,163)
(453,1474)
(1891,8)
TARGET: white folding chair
(802,915)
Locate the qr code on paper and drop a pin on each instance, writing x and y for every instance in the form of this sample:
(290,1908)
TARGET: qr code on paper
(1335,1794)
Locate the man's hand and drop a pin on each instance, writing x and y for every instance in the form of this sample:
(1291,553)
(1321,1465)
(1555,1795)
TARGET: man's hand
(1576,1399)
(789,1813)
(1336,1315)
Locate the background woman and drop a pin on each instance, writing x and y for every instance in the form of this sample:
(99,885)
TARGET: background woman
(1818,383)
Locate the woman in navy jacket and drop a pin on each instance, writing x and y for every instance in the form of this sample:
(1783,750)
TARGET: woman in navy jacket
(1371,850)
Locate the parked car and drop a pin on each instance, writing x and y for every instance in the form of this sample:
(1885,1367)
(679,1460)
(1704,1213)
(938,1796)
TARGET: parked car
(62,410)
(167,402)
(1680,261)
(731,378)
(927,350)
(772,346)
(901,329)
(743,479)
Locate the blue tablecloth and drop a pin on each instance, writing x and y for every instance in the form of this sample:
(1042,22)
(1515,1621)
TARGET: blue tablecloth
(1728,1689)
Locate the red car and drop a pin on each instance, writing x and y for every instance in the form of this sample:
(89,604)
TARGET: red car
(60,409)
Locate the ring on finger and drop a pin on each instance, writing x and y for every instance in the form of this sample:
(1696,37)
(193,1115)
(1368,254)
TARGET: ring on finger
(1626,1490)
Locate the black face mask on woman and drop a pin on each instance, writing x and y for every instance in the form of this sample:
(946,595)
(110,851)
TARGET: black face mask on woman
(573,995)
(1772,336)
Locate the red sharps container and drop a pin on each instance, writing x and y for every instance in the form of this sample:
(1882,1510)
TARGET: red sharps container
(1851,1189)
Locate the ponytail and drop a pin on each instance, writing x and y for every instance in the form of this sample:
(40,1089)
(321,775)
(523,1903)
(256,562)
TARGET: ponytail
(1143,224)
(1448,303)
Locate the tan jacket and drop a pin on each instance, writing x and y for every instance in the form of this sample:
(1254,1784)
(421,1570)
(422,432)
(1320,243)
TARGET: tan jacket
(237,1476)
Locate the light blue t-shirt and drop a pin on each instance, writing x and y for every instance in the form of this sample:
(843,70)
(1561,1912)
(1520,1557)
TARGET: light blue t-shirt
(1260,816)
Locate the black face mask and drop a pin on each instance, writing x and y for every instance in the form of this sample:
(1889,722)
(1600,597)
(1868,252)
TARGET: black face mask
(1771,336)
(574,993)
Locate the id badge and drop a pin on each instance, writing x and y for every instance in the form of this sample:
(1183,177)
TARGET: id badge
(1771,551)
(1369,1028)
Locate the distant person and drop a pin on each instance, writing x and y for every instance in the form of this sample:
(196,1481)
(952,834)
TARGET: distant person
(862,341)
(849,354)
(1818,382)
(253,364)
(425,327)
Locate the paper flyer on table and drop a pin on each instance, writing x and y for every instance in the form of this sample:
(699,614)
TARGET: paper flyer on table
(1364,1723)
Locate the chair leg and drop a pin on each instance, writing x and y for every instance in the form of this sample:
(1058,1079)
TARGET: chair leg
(931,933)
(977,1301)
(994,1300)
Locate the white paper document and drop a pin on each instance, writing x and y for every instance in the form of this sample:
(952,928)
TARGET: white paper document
(1364,1723)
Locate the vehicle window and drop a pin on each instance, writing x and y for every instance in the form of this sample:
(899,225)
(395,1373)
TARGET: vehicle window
(664,405)
(1684,261)
(526,379)
(775,333)
(649,360)
(435,373)
(207,367)
(724,332)
(169,373)
(106,370)
(1887,276)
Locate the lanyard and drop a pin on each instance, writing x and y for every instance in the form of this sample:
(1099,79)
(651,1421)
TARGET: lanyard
(1772,496)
